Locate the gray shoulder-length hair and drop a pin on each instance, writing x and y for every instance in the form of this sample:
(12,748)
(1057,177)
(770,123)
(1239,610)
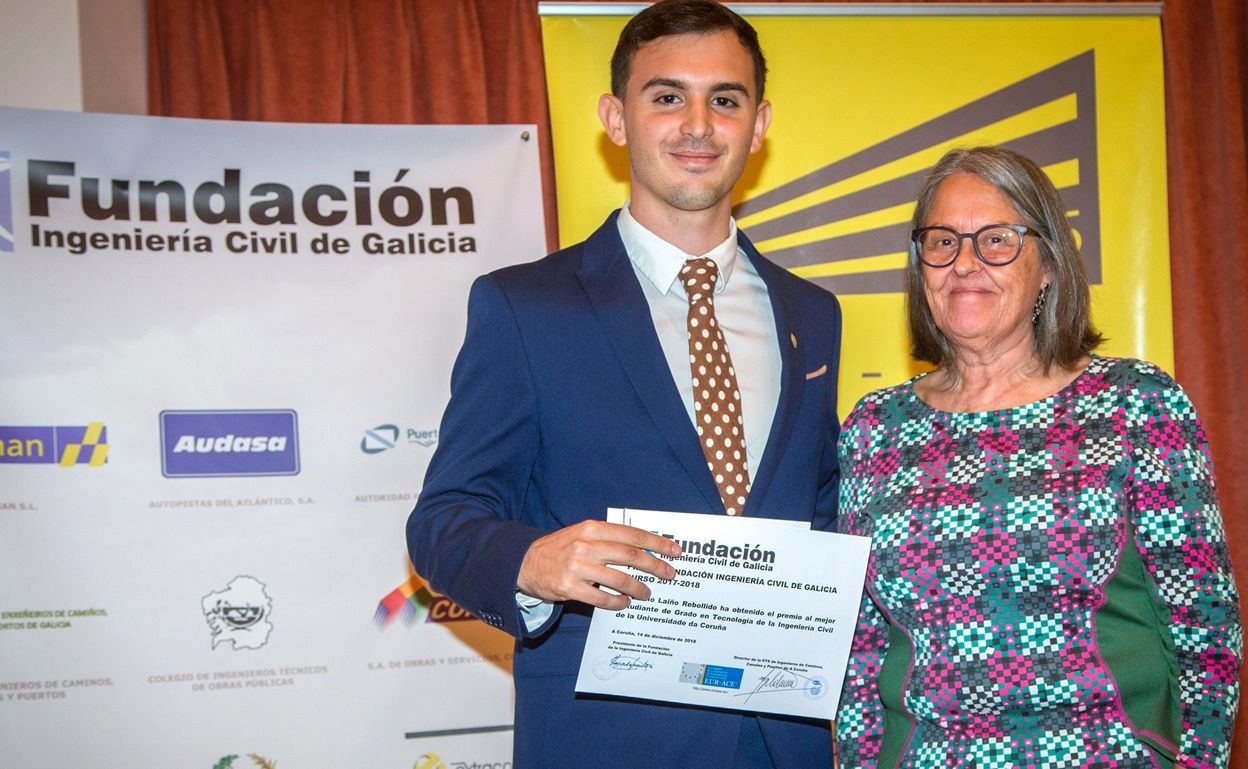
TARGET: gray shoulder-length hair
(1063,333)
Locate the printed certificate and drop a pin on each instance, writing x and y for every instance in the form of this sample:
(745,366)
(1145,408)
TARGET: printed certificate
(760,617)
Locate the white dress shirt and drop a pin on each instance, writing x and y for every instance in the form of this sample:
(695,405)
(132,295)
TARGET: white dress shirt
(743,311)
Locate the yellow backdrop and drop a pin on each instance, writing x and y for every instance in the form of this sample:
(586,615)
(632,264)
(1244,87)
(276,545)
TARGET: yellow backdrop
(863,105)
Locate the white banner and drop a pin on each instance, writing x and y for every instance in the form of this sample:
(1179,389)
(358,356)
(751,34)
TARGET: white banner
(224,352)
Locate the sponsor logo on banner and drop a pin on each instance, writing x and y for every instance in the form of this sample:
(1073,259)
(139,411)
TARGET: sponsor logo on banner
(434,761)
(1055,141)
(239,614)
(413,602)
(252,759)
(380,438)
(6,202)
(385,437)
(49,619)
(198,444)
(66,446)
(240,211)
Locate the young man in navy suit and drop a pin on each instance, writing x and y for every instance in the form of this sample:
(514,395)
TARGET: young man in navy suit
(573,393)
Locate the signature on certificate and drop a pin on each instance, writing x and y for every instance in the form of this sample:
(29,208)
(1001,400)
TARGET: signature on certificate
(781,680)
(627,662)
(610,667)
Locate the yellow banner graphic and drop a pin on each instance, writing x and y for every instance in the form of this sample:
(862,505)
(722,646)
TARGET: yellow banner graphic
(864,105)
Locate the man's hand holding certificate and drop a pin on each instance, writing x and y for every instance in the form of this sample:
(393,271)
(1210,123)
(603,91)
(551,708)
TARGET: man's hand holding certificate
(760,617)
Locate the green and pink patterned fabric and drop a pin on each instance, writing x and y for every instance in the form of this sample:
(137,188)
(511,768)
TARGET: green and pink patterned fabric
(1049,584)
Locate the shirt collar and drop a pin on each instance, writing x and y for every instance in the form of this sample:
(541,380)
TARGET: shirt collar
(660,261)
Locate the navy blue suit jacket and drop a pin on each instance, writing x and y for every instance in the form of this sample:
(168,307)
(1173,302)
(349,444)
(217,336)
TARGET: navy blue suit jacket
(562,405)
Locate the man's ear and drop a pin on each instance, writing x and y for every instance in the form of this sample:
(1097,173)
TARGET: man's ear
(762,119)
(611,113)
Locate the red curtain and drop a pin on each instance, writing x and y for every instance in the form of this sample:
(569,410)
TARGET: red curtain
(480,61)
(1205,43)
(352,61)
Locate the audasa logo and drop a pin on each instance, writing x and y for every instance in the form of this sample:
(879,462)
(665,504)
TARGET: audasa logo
(199,444)
(413,600)
(6,202)
(64,446)
(385,437)
(239,614)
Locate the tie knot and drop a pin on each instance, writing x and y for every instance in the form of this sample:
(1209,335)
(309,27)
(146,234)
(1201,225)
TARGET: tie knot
(698,276)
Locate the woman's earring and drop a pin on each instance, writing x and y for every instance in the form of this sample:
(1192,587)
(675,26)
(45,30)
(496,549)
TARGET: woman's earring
(1035,312)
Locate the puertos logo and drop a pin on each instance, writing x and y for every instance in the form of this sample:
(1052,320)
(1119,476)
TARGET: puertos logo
(6,202)
(66,446)
(385,437)
(199,444)
(380,438)
(239,614)
(413,601)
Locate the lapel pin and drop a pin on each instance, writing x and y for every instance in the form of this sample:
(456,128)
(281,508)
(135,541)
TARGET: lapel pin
(793,340)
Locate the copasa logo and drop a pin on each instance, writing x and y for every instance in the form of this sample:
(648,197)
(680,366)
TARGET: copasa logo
(413,600)
(198,444)
(6,202)
(64,446)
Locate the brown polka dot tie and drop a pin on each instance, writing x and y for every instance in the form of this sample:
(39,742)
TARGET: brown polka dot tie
(716,397)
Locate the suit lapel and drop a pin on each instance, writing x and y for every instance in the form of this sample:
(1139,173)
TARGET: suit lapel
(789,336)
(611,285)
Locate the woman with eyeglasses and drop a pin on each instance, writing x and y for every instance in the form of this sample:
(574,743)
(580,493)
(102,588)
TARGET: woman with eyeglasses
(1049,583)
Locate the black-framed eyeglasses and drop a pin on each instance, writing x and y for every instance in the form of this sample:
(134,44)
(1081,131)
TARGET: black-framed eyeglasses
(995,244)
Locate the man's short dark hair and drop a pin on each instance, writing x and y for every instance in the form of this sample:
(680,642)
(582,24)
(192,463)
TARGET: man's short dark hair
(682,17)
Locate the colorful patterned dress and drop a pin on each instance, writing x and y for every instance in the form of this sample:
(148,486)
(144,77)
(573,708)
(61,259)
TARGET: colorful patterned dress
(1049,584)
